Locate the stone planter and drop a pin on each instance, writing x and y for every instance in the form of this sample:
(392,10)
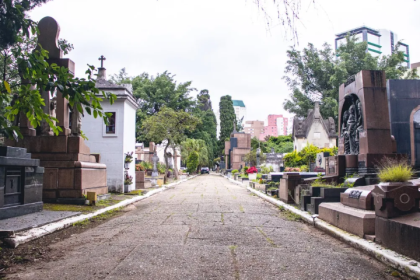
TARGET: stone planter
(394,199)
(252,176)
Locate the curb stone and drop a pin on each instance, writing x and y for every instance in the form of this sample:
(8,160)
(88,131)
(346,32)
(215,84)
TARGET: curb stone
(34,233)
(384,255)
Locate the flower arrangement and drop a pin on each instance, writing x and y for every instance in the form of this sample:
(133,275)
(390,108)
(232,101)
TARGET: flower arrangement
(128,180)
(252,170)
(128,157)
(140,167)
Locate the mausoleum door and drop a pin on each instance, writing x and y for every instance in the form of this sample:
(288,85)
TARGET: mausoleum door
(417,137)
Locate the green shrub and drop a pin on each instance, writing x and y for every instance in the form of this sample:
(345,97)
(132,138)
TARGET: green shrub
(234,171)
(259,175)
(192,162)
(394,170)
(304,168)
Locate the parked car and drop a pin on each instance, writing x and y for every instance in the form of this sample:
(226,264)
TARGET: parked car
(205,170)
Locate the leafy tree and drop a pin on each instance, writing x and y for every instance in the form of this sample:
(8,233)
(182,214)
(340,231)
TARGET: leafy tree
(251,158)
(281,144)
(203,100)
(154,93)
(14,20)
(121,78)
(169,125)
(26,72)
(207,129)
(227,118)
(316,74)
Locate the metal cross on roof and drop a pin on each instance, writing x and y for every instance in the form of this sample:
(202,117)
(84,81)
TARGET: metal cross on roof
(102,58)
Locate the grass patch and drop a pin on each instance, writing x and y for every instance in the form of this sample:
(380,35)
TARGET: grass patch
(241,209)
(289,215)
(222,219)
(233,247)
(394,170)
(136,192)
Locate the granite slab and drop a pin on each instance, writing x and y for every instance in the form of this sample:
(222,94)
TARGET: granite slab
(10,226)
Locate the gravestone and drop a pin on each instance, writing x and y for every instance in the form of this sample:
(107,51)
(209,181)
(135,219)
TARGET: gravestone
(70,170)
(20,183)
(274,160)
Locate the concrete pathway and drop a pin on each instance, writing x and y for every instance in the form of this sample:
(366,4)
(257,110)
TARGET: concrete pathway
(206,228)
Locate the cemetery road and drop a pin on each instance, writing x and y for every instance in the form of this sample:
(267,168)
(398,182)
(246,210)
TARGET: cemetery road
(205,228)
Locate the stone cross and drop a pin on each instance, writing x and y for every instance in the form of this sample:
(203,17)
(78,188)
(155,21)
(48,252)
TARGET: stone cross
(102,58)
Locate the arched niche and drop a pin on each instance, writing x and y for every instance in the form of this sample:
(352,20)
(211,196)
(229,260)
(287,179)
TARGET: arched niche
(351,124)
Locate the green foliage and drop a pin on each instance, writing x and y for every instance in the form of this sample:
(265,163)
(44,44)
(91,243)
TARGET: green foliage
(308,153)
(281,144)
(394,170)
(306,156)
(26,72)
(207,129)
(251,158)
(196,145)
(155,93)
(316,74)
(304,168)
(192,162)
(266,169)
(227,118)
(161,168)
(293,159)
(234,171)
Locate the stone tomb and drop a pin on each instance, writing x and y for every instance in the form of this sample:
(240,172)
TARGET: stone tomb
(236,148)
(287,187)
(397,217)
(20,183)
(354,214)
(325,195)
(70,169)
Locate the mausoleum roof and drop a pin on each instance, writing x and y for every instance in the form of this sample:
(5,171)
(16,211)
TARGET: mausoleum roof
(301,127)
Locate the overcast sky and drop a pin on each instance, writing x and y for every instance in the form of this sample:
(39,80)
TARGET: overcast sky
(221,45)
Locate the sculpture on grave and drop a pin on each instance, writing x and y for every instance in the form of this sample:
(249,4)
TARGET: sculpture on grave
(351,124)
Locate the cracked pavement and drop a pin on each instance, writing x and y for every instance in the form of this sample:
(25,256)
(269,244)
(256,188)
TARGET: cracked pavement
(205,228)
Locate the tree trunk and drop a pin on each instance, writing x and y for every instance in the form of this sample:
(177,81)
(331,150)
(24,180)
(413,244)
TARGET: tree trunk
(175,162)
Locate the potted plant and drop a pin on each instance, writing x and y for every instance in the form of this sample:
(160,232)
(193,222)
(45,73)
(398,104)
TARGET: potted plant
(394,176)
(252,173)
(128,159)
(128,180)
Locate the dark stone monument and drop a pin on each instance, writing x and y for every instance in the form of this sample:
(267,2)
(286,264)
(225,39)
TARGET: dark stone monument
(404,113)
(21,180)
(364,128)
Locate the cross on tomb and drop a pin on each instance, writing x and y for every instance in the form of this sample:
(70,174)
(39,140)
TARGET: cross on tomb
(102,58)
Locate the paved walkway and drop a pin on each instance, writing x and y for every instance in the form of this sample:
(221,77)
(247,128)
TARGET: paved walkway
(206,228)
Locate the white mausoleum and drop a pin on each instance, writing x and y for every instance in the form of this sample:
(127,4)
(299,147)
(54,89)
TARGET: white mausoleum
(112,141)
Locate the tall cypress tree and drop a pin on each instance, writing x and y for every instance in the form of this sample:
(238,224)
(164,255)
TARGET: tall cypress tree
(227,118)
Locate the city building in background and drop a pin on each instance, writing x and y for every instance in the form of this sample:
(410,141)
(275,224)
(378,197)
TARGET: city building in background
(255,128)
(276,126)
(380,42)
(240,110)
